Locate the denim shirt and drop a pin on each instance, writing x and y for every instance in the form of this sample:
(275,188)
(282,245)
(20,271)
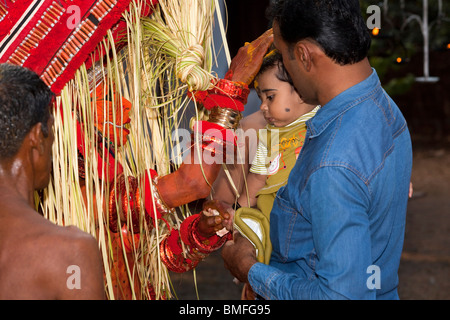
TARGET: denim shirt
(337,227)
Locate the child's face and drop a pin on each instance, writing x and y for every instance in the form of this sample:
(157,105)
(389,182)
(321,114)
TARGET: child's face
(280,103)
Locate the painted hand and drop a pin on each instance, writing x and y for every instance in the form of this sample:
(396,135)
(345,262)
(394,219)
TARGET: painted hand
(245,65)
(216,217)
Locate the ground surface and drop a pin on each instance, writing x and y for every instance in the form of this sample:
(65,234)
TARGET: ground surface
(425,266)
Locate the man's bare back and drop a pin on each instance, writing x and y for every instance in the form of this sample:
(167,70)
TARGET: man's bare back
(38,259)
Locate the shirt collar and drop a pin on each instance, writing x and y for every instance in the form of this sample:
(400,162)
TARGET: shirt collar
(343,102)
(299,121)
(305,117)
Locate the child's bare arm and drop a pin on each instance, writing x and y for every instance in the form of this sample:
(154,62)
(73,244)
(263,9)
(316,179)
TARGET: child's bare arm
(255,182)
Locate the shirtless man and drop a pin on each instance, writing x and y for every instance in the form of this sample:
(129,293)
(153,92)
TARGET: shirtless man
(38,259)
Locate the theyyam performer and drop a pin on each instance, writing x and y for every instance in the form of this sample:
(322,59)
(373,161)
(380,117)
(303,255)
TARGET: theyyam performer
(123,73)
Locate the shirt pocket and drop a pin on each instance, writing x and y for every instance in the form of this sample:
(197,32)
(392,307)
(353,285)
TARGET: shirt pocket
(282,223)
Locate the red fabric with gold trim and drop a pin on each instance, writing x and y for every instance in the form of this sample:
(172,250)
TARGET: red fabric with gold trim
(43,35)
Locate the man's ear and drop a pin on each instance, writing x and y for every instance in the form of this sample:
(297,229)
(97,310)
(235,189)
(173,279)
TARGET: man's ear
(36,138)
(302,53)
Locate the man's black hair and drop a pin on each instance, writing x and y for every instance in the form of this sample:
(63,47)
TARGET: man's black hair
(337,26)
(24,102)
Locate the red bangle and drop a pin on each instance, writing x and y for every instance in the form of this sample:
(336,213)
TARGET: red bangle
(152,194)
(196,247)
(132,199)
(172,255)
(233,89)
(118,192)
(170,260)
(204,245)
(225,94)
(186,228)
(214,132)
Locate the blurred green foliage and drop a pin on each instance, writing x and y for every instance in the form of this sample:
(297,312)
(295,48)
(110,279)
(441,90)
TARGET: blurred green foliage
(399,40)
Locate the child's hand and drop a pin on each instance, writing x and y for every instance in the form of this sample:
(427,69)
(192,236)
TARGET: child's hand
(216,217)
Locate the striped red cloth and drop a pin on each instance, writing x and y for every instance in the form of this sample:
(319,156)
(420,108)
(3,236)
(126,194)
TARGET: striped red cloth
(55,37)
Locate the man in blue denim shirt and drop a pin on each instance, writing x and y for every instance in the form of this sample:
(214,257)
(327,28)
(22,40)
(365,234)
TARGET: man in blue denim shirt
(337,227)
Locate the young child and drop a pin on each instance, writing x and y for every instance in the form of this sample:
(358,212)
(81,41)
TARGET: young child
(278,148)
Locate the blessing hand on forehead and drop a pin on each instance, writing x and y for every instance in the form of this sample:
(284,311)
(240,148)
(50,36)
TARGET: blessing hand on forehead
(245,65)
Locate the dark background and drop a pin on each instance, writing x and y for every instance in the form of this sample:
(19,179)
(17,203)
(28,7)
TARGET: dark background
(426,106)
(246,22)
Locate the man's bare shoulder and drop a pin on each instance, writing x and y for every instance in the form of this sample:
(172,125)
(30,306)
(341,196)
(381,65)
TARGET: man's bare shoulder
(40,255)
(69,234)
(72,252)
(43,234)
(66,242)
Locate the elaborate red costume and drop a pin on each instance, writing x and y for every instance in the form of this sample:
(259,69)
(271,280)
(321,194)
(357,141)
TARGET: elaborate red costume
(42,36)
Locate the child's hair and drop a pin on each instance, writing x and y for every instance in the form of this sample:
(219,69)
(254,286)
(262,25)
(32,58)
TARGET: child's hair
(272,59)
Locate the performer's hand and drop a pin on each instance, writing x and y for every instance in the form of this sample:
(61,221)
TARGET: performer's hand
(239,255)
(245,65)
(214,217)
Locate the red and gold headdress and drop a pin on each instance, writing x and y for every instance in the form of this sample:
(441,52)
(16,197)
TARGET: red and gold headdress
(55,37)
